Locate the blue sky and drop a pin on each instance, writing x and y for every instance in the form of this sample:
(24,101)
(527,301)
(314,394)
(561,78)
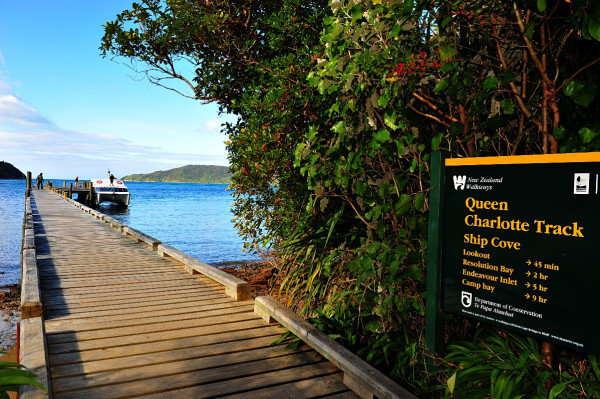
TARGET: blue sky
(66,111)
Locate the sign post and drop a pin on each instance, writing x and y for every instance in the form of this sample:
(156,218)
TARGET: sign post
(517,245)
(434,318)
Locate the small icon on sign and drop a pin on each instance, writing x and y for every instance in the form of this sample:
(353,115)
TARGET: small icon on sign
(459,182)
(582,183)
(466,299)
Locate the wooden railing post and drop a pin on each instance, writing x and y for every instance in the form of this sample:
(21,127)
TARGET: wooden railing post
(28,189)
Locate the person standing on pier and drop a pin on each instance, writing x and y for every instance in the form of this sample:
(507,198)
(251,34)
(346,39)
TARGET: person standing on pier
(76,181)
(40,181)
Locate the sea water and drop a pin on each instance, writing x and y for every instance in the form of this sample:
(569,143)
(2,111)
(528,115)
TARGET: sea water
(12,207)
(194,218)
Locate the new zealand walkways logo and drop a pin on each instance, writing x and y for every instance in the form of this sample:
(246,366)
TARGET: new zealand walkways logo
(459,182)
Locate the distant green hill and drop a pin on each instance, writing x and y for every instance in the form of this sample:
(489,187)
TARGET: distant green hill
(8,171)
(187,174)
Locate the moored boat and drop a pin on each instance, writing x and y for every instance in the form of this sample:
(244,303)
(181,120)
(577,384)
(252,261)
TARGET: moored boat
(115,192)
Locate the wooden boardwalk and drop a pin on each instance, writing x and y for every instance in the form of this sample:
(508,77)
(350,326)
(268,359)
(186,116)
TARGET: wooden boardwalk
(123,322)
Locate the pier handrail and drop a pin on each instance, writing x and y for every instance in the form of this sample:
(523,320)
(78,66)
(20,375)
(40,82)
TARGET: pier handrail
(152,242)
(361,377)
(31,300)
(116,224)
(234,287)
(32,339)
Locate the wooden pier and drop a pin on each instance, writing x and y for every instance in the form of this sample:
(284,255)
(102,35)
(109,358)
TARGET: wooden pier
(109,312)
(84,191)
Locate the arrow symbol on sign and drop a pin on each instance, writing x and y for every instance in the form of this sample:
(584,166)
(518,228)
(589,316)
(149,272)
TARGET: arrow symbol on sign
(528,273)
(527,296)
(527,285)
(528,262)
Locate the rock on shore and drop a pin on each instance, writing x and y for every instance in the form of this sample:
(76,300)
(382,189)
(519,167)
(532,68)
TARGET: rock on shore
(10,298)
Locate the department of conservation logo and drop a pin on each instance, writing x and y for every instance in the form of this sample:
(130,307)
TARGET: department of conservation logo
(459,182)
(466,299)
(581,183)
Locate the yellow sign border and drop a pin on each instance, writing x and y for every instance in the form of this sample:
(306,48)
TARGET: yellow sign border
(526,159)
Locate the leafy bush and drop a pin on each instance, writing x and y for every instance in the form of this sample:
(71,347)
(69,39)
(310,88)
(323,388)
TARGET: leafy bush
(339,107)
(506,365)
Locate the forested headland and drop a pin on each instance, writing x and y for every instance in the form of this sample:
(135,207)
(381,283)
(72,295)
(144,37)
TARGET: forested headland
(211,174)
(339,105)
(8,171)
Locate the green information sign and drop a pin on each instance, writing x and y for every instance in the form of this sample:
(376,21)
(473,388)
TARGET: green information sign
(520,243)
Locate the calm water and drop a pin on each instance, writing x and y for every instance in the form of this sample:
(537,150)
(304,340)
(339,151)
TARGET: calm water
(12,206)
(194,218)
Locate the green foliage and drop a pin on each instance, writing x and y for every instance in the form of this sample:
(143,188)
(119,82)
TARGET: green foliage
(339,106)
(506,365)
(187,174)
(13,375)
(252,57)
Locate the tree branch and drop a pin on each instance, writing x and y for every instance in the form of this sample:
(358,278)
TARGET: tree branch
(570,78)
(429,116)
(529,45)
(513,87)
(433,106)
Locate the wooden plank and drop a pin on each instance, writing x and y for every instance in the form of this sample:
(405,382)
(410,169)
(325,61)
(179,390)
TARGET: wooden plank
(198,384)
(115,282)
(367,380)
(31,299)
(234,287)
(29,240)
(212,365)
(246,384)
(172,349)
(75,321)
(110,342)
(159,316)
(175,381)
(165,323)
(33,355)
(88,367)
(114,223)
(199,295)
(330,387)
(344,395)
(130,296)
(128,334)
(101,270)
(116,309)
(132,287)
(140,237)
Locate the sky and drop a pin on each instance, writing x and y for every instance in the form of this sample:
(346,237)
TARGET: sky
(66,111)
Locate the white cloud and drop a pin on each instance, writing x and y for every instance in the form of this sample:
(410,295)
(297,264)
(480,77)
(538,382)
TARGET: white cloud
(14,110)
(214,125)
(34,143)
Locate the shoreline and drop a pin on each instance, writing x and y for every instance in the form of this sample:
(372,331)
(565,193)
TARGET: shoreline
(10,300)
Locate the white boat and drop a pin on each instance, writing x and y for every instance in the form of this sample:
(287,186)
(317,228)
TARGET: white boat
(115,192)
